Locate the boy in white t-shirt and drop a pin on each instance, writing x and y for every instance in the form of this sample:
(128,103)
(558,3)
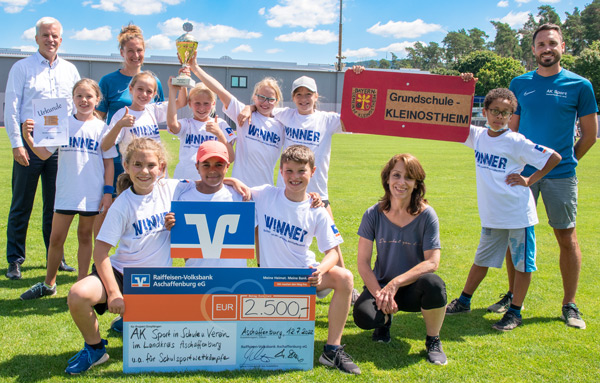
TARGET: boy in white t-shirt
(212,162)
(287,225)
(506,205)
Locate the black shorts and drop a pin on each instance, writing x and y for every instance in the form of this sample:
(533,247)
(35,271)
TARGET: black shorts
(326,203)
(75,212)
(102,307)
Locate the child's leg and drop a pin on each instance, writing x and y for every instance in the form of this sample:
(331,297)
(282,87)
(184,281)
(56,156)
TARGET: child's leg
(510,271)
(522,281)
(342,282)
(84,252)
(83,296)
(98,221)
(476,275)
(58,236)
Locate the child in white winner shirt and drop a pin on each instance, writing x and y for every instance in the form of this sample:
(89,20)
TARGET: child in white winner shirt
(506,204)
(287,225)
(212,162)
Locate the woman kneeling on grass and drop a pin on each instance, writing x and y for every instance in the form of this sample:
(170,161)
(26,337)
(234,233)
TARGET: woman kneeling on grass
(406,232)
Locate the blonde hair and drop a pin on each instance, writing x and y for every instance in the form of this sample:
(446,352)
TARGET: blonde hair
(203,89)
(141,74)
(137,145)
(130,32)
(95,87)
(271,83)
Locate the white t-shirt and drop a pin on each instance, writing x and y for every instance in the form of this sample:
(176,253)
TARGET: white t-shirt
(137,224)
(315,131)
(146,123)
(258,146)
(286,229)
(502,206)
(192,134)
(225,194)
(80,176)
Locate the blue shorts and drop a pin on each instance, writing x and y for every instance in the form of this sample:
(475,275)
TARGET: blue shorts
(494,242)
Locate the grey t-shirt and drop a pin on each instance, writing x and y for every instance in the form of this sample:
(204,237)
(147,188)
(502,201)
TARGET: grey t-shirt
(399,249)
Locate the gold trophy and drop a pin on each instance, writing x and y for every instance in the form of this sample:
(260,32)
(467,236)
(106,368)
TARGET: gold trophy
(186,46)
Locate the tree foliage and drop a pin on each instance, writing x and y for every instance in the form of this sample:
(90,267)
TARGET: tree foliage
(587,64)
(506,42)
(574,32)
(590,17)
(498,74)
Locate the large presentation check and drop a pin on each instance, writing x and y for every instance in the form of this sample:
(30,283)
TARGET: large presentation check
(194,318)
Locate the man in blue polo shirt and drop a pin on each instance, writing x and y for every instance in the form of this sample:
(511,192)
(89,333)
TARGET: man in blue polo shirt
(551,99)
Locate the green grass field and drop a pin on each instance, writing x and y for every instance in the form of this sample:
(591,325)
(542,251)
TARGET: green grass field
(38,337)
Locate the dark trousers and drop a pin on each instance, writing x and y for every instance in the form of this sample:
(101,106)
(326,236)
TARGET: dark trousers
(24,185)
(427,292)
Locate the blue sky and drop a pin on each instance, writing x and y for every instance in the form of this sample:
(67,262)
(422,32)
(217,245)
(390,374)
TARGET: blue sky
(301,31)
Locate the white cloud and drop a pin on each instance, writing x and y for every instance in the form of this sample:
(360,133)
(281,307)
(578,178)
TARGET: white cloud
(159,43)
(133,7)
(242,48)
(362,52)
(29,34)
(523,1)
(98,34)
(404,29)
(261,11)
(202,32)
(502,4)
(309,36)
(302,13)
(274,50)
(514,19)
(14,6)
(26,48)
(397,48)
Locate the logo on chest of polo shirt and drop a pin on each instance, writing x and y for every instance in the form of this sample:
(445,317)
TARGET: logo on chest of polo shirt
(213,230)
(556,93)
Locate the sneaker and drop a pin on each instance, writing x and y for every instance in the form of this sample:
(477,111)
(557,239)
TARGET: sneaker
(37,291)
(502,305)
(435,352)
(382,334)
(572,316)
(355,295)
(456,307)
(117,324)
(87,358)
(14,271)
(509,321)
(64,267)
(340,360)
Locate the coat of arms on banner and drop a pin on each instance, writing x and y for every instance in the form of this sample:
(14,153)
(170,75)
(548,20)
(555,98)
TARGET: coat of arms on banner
(363,101)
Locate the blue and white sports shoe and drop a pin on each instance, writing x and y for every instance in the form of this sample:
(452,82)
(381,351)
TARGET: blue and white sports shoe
(117,324)
(87,358)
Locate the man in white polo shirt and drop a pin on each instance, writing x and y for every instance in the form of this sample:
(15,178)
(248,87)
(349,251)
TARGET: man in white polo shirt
(39,76)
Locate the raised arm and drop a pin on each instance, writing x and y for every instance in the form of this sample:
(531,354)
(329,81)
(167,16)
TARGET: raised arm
(211,82)
(172,122)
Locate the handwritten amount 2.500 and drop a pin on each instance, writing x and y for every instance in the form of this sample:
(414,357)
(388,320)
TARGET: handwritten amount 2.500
(276,307)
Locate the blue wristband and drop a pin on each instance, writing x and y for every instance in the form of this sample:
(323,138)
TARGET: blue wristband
(109,189)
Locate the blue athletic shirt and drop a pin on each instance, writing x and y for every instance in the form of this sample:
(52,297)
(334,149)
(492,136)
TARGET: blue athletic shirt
(548,108)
